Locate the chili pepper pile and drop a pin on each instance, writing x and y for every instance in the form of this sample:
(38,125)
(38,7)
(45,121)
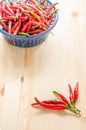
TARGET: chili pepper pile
(26,18)
(63,103)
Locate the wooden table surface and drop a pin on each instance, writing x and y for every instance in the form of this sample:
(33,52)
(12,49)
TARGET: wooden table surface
(37,71)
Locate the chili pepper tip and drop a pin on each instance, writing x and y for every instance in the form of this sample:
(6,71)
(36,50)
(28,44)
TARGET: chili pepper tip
(55,92)
(33,104)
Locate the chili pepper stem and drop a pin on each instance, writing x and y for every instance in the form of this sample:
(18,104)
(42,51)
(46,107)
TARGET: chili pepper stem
(73,109)
(73,103)
(73,106)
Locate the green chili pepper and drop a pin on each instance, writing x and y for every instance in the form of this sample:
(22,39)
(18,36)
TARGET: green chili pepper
(24,34)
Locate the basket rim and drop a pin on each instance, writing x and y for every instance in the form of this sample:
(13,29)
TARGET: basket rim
(35,35)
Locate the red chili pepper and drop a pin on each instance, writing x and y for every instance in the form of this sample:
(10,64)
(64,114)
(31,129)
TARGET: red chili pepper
(9,26)
(62,97)
(50,8)
(4,25)
(29,27)
(5,11)
(34,8)
(18,27)
(24,18)
(51,106)
(35,23)
(15,26)
(28,24)
(76,92)
(9,18)
(16,7)
(23,5)
(50,21)
(49,102)
(51,16)
(1,2)
(0,15)
(9,9)
(70,93)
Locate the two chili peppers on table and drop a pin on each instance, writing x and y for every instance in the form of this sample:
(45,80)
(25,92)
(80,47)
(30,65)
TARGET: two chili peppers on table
(26,18)
(63,103)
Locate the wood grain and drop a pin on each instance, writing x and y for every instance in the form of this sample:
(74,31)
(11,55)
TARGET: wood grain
(60,60)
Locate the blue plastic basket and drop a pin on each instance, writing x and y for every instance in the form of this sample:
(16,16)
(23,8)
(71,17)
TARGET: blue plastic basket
(29,41)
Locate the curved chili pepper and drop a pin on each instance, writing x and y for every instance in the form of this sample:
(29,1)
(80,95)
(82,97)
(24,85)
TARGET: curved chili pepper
(70,93)
(9,18)
(34,8)
(28,24)
(62,97)
(50,8)
(35,16)
(24,6)
(49,102)
(76,92)
(9,9)
(16,7)
(51,106)
(24,18)
(3,25)
(17,28)
(5,11)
